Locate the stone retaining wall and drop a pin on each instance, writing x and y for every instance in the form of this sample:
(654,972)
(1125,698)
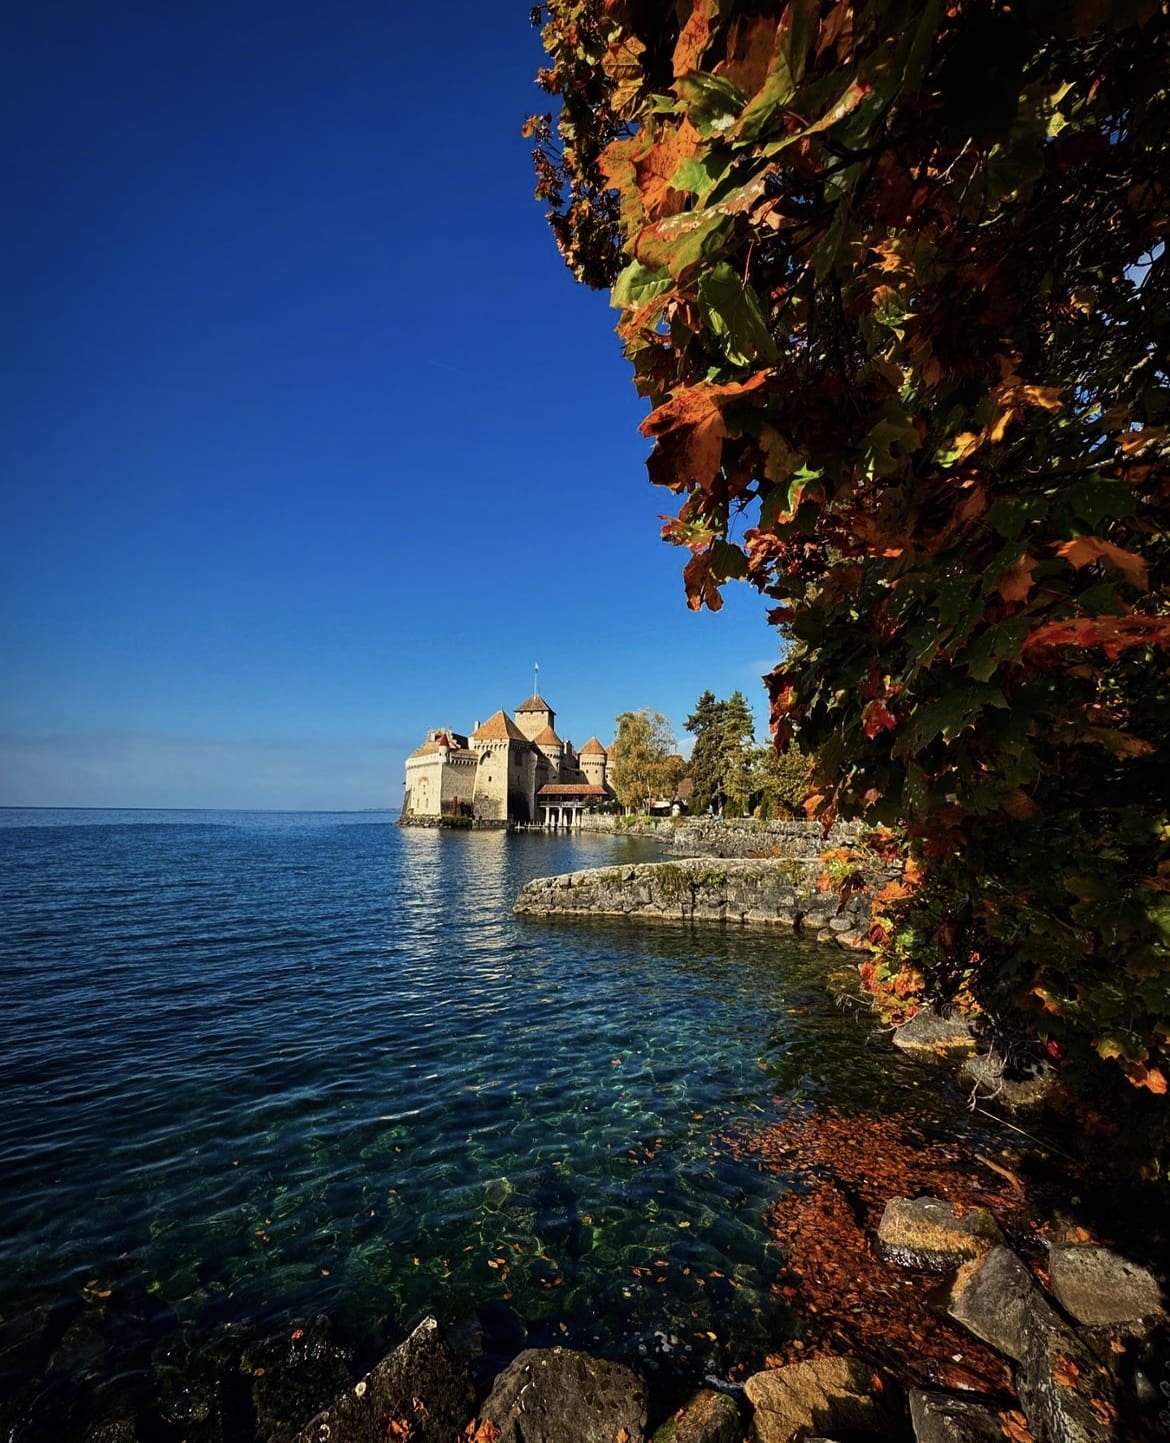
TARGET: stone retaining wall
(729,836)
(762,892)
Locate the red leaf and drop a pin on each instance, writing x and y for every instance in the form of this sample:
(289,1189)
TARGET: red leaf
(877,717)
(1114,633)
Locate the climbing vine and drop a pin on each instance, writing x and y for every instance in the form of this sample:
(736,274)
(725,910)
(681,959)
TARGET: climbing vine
(893,279)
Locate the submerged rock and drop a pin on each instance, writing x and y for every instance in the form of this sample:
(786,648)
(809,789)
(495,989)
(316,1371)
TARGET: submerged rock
(926,1233)
(709,1417)
(556,1395)
(293,1378)
(990,1298)
(1100,1288)
(421,1386)
(951,1418)
(930,1034)
(822,1395)
(121,1430)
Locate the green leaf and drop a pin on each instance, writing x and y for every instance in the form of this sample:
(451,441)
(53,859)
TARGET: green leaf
(711,102)
(700,174)
(1010,517)
(638,284)
(1090,501)
(728,563)
(733,316)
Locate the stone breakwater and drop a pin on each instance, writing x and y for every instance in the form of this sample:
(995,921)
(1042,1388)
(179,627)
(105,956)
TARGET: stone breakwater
(765,892)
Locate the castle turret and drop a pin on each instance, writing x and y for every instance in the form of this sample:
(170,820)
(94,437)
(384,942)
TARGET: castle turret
(594,762)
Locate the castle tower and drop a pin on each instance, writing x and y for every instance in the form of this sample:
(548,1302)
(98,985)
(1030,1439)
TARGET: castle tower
(534,715)
(594,762)
(505,783)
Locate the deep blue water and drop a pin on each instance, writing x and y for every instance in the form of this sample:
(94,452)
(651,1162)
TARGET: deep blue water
(260,1067)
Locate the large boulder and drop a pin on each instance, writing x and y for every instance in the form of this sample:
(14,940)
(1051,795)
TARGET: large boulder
(709,1417)
(989,1296)
(421,1387)
(951,1418)
(1066,1392)
(927,1233)
(556,1395)
(822,1396)
(1099,1288)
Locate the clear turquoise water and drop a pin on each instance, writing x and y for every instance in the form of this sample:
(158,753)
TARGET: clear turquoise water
(260,1067)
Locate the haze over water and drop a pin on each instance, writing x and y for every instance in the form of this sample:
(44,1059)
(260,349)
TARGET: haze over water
(259,1067)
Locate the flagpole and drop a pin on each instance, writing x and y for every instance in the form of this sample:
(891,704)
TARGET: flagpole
(535,678)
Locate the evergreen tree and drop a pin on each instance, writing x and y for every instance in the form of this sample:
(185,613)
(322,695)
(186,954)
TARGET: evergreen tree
(706,725)
(737,754)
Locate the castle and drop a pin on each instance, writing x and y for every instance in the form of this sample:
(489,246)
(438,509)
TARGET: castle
(507,772)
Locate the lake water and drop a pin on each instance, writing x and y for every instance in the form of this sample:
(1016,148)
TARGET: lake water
(261,1067)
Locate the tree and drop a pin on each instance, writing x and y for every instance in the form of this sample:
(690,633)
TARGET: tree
(894,281)
(737,754)
(643,764)
(781,781)
(706,725)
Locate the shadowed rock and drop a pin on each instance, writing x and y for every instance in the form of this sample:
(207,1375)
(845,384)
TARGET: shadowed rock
(420,1387)
(1067,1394)
(556,1395)
(1099,1288)
(990,1298)
(929,1034)
(994,1082)
(949,1418)
(709,1417)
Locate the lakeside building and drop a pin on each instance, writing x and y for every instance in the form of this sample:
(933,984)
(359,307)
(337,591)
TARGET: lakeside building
(506,771)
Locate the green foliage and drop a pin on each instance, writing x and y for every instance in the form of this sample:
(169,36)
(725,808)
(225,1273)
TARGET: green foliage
(722,767)
(643,763)
(895,284)
(781,781)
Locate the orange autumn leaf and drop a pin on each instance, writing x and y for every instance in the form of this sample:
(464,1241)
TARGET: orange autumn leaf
(1019,806)
(694,37)
(1065,1371)
(1083,550)
(689,431)
(486,1432)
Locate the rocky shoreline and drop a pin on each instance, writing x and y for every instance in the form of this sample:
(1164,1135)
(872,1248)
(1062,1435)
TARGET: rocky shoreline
(735,891)
(1080,1349)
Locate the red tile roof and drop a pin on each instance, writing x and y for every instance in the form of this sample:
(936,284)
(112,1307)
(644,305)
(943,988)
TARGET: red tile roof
(498,727)
(547,738)
(534,703)
(572,789)
(593,748)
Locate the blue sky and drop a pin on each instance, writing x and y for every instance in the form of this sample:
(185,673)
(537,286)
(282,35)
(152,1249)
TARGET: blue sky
(309,441)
